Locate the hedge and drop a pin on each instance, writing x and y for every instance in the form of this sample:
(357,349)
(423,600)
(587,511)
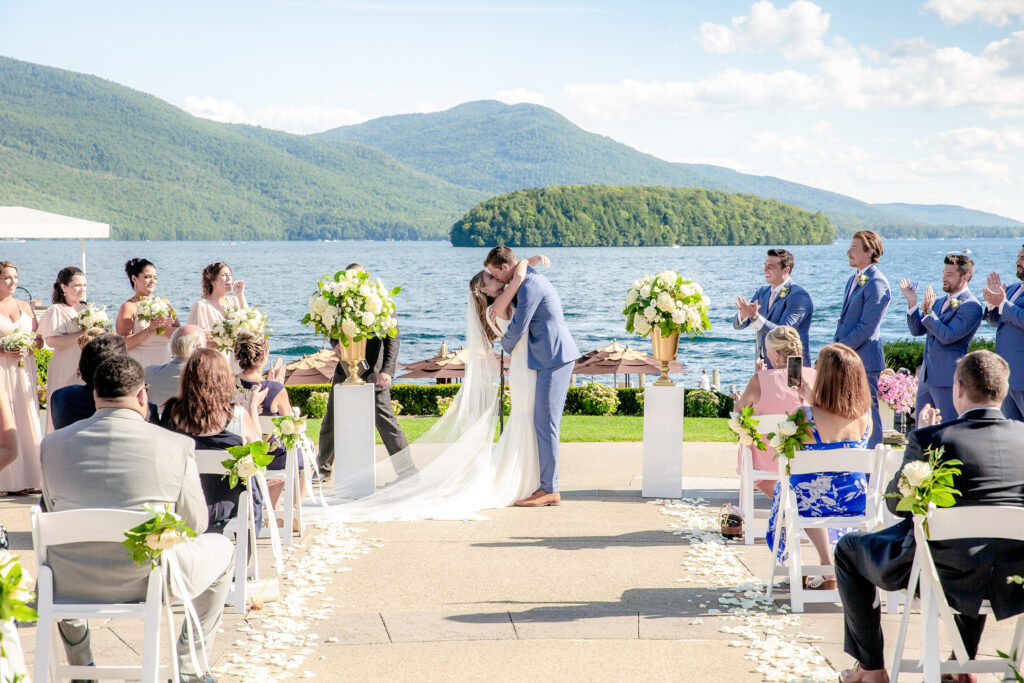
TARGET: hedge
(421,399)
(909,353)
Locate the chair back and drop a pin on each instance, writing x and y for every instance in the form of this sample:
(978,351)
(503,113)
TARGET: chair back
(947,524)
(94,525)
(266,424)
(769,422)
(865,460)
(209,461)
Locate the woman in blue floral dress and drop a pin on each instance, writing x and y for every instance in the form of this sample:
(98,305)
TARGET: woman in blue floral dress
(839,413)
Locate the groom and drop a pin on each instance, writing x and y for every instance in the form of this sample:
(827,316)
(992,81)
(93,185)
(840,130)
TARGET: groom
(551,351)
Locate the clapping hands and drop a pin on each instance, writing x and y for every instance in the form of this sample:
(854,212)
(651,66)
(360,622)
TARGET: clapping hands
(909,293)
(994,292)
(929,416)
(748,309)
(276,372)
(928,301)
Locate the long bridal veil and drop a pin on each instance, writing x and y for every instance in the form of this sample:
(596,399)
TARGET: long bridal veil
(448,472)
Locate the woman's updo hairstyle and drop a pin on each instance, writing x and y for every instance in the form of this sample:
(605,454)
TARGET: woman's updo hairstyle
(134,267)
(64,277)
(785,340)
(210,274)
(482,301)
(249,349)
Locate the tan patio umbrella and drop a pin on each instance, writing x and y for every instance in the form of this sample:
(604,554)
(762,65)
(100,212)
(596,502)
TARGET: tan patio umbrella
(316,368)
(447,365)
(616,359)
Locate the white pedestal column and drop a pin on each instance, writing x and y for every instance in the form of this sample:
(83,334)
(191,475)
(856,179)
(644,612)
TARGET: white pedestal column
(353,441)
(663,442)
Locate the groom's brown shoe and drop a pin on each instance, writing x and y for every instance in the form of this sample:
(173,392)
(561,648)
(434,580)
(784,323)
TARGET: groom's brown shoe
(540,498)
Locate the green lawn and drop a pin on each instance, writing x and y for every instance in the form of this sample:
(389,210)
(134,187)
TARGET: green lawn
(584,428)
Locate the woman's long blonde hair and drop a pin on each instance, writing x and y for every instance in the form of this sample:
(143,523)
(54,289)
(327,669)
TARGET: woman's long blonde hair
(482,301)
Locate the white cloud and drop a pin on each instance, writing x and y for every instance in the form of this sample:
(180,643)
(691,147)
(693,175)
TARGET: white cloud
(793,150)
(795,31)
(996,12)
(299,119)
(976,139)
(518,95)
(940,164)
(824,131)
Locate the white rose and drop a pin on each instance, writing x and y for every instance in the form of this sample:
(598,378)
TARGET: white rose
(916,472)
(365,290)
(746,440)
(905,488)
(328,317)
(374,304)
(787,428)
(642,327)
(667,278)
(776,441)
(168,539)
(735,425)
(645,291)
(693,318)
(649,313)
(686,290)
(288,427)
(153,541)
(349,327)
(666,302)
(246,467)
(631,296)
(696,288)
(678,317)
(368,318)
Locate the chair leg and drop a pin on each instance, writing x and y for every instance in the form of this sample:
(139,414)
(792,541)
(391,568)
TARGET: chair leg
(46,630)
(901,637)
(930,657)
(172,638)
(288,502)
(796,582)
(747,498)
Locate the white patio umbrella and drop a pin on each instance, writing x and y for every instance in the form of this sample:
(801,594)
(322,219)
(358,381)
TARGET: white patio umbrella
(17,222)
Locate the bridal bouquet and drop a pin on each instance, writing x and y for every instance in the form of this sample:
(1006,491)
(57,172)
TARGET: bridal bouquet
(351,307)
(289,430)
(897,390)
(149,308)
(163,531)
(669,302)
(246,461)
(927,482)
(237,319)
(93,316)
(16,340)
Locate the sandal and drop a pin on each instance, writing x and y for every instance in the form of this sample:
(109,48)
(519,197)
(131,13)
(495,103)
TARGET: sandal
(819,583)
(730,521)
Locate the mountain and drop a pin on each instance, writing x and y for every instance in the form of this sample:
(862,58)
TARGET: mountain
(87,147)
(498,148)
(949,214)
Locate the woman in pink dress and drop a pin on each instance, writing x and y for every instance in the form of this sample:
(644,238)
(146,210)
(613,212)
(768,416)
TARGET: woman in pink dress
(60,330)
(147,342)
(769,393)
(221,292)
(19,460)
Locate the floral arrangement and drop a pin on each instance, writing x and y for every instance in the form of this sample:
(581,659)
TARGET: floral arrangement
(352,307)
(16,340)
(316,404)
(163,531)
(396,407)
(897,390)
(599,399)
(927,482)
(237,319)
(444,403)
(93,316)
(246,461)
(745,426)
(669,302)
(700,403)
(149,308)
(792,435)
(289,430)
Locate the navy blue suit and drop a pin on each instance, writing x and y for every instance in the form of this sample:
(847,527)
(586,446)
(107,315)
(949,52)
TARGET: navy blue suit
(1010,345)
(949,334)
(794,309)
(859,323)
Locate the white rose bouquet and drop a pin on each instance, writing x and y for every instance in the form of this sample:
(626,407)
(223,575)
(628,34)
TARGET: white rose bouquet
(93,316)
(745,426)
(669,302)
(246,461)
(926,482)
(163,531)
(16,340)
(791,436)
(237,319)
(350,306)
(149,308)
(289,430)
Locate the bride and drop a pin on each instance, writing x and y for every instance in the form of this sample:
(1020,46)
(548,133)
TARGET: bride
(461,470)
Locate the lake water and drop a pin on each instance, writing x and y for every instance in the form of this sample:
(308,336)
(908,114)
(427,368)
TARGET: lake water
(592,282)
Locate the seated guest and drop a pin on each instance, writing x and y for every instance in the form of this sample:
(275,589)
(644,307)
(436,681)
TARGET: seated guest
(251,351)
(840,417)
(114,459)
(164,380)
(768,392)
(970,570)
(204,410)
(75,402)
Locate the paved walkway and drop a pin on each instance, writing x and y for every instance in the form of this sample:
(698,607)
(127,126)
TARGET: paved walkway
(607,586)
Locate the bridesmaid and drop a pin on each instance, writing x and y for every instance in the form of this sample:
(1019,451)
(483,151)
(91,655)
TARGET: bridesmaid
(221,292)
(19,469)
(144,343)
(59,328)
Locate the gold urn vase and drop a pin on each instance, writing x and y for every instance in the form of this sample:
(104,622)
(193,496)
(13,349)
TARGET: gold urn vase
(665,351)
(352,353)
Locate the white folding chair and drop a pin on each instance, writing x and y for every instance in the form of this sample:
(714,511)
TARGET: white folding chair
(947,524)
(291,501)
(242,528)
(864,460)
(748,475)
(97,526)
(890,467)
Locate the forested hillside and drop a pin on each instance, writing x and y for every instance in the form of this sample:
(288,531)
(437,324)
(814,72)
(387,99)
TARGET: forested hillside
(599,215)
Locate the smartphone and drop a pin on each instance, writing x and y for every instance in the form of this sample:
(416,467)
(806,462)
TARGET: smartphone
(794,370)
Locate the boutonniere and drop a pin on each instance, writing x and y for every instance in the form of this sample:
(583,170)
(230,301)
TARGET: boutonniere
(955,303)
(783,292)
(862,280)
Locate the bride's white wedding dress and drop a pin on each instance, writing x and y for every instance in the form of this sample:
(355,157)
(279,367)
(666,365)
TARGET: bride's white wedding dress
(461,469)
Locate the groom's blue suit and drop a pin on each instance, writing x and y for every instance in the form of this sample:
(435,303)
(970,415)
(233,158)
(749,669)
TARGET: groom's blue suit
(552,352)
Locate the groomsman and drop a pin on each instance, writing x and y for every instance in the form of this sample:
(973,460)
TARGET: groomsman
(1005,312)
(779,302)
(865,302)
(950,324)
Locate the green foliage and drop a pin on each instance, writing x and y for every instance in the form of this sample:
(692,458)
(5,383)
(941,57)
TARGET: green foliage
(923,483)
(909,354)
(701,403)
(443,403)
(396,407)
(316,402)
(599,399)
(163,530)
(792,435)
(421,399)
(744,424)
(599,215)
(245,460)
(43,357)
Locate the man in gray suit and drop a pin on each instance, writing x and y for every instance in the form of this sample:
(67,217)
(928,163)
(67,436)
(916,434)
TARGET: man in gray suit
(165,380)
(551,351)
(115,459)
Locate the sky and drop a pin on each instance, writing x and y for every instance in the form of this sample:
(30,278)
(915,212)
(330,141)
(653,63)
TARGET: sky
(888,101)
